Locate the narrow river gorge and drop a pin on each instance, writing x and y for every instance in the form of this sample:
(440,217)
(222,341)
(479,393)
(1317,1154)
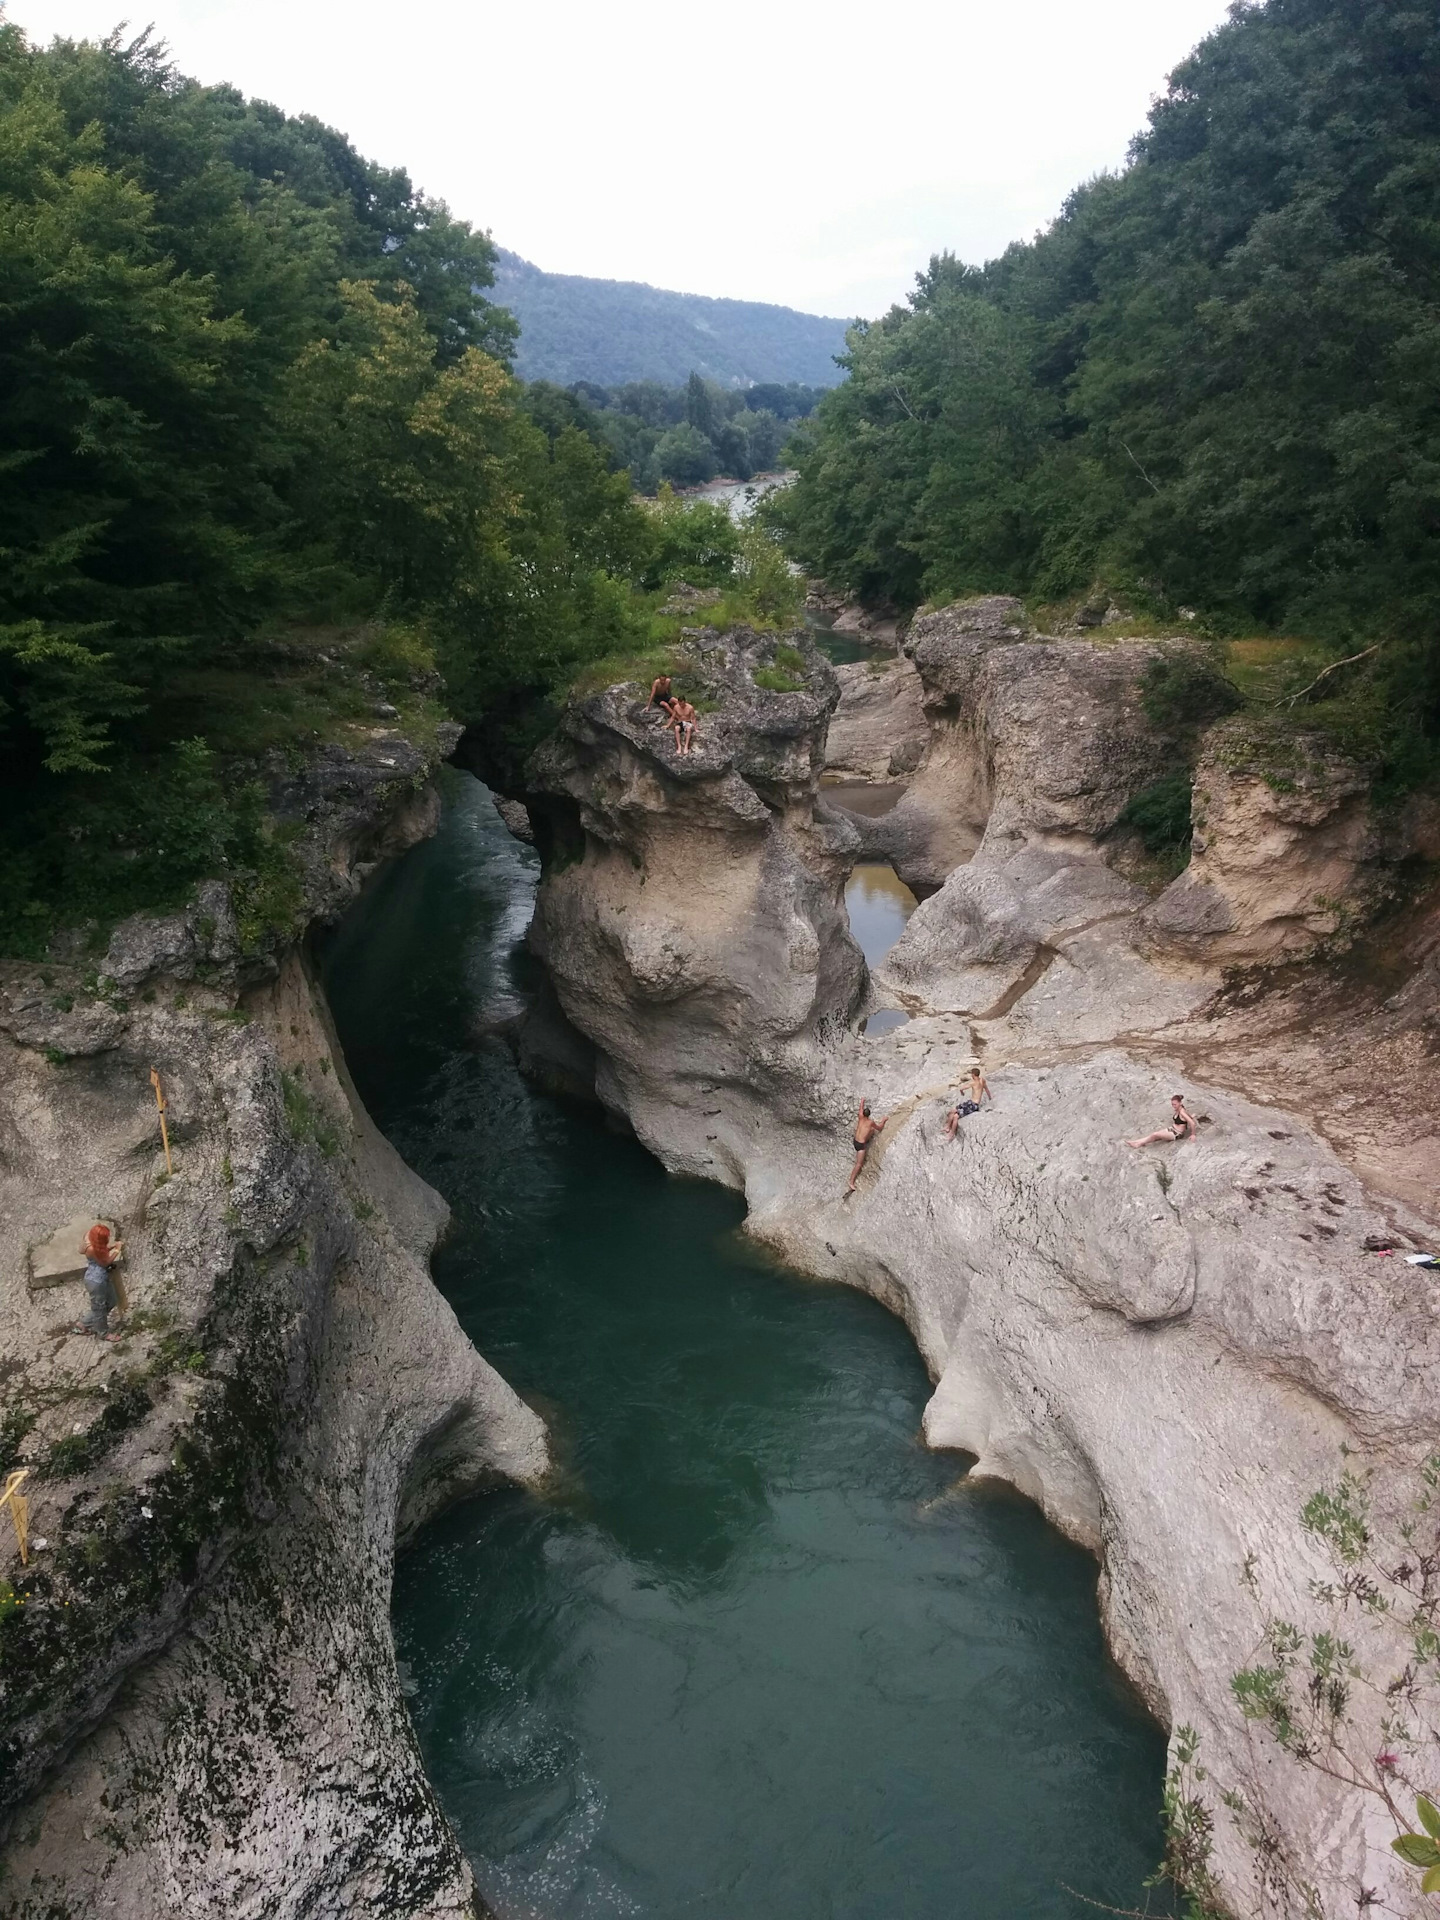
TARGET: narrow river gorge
(757,1652)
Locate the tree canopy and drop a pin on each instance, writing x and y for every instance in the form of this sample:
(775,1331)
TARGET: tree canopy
(256,414)
(1213,382)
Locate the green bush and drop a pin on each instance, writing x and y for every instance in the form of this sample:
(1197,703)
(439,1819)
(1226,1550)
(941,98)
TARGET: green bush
(90,849)
(770,584)
(1182,694)
(126,1406)
(691,540)
(1160,814)
(685,456)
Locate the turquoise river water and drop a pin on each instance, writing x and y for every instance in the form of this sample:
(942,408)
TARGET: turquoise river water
(758,1655)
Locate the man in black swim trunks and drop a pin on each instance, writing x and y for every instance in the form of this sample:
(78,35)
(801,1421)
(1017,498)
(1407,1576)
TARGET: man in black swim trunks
(866,1128)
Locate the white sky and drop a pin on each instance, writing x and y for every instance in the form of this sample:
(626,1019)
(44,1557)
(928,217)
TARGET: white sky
(812,154)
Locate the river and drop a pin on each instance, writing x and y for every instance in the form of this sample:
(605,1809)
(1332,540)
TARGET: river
(758,1654)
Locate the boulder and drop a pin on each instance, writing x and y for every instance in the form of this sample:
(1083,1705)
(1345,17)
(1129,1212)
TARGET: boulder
(1286,850)
(879,728)
(62,1255)
(516,818)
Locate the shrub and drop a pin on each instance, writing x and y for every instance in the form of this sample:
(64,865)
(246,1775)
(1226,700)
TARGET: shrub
(694,540)
(774,680)
(774,589)
(1183,692)
(685,456)
(1160,814)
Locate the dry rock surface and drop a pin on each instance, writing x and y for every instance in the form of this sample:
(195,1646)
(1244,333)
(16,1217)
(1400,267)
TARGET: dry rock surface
(199,1708)
(1167,1349)
(879,729)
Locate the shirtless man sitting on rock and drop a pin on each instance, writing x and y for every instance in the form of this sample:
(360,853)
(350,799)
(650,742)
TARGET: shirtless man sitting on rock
(685,720)
(866,1129)
(1182,1125)
(969,1101)
(660,695)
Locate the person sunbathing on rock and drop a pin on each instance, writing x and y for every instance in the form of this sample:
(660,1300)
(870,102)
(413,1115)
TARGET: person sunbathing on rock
(660,694)
(969,1101)
(1182,1125)
(686,721)
(866,1129)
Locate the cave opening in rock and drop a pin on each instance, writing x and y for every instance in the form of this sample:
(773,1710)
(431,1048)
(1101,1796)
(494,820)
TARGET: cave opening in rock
(878,904)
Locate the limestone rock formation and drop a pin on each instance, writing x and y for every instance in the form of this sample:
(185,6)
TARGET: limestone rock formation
(1029,737)
(693,902)
(1166,1349)
(199,1709)
(879,730)
(1038,747)
(1284,847)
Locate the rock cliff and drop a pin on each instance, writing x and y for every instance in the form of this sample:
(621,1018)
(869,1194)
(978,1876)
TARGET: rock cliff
(199,1708)
(1167,1349)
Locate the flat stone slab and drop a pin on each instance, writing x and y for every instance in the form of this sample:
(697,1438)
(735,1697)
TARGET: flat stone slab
(62,1256)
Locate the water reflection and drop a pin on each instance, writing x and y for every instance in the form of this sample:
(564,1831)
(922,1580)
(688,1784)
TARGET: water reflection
(884,1020)
(878,903)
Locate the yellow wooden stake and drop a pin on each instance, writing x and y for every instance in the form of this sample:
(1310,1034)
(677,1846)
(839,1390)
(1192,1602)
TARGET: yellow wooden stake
(122,1292)
(19,1510)
(164,1130)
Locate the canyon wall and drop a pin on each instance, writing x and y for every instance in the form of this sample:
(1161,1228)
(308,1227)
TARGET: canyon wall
(201,1712)
(1169,1349)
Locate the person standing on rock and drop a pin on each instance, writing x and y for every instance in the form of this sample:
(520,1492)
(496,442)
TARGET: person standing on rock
(969,1102)
(101,1253)
(1182,1125)
(866,1128)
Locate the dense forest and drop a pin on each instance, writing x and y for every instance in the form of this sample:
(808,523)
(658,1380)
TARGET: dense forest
(611,332)
(264,470)
(1212,384)
(684,435)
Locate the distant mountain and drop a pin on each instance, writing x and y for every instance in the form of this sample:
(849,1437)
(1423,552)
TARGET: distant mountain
(611,331)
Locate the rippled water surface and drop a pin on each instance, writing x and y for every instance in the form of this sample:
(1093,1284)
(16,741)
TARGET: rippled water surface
(760,1655)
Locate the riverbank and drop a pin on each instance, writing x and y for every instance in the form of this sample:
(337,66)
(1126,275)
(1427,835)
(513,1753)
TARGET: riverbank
(199,1707)
(1170,1352)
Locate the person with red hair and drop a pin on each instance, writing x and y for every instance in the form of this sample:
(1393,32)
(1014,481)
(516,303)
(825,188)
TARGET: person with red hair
(101,1253)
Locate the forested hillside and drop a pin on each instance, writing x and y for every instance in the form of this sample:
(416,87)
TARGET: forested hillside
(1213,383)
(265,475)
(612,331)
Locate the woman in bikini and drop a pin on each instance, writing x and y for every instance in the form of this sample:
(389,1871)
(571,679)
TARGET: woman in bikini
(866,1129)
(1182,1125)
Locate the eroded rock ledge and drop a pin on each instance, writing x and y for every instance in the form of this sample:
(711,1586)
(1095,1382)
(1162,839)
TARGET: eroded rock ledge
(200,1706)
(1167,1349)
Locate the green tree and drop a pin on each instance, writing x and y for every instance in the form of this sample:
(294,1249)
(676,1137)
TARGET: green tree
(701,411)
(247,383)
(763,436)
(686,457)
(1215,381)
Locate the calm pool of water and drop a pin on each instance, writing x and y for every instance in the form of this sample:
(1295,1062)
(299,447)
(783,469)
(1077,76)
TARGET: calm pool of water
(759,1655)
